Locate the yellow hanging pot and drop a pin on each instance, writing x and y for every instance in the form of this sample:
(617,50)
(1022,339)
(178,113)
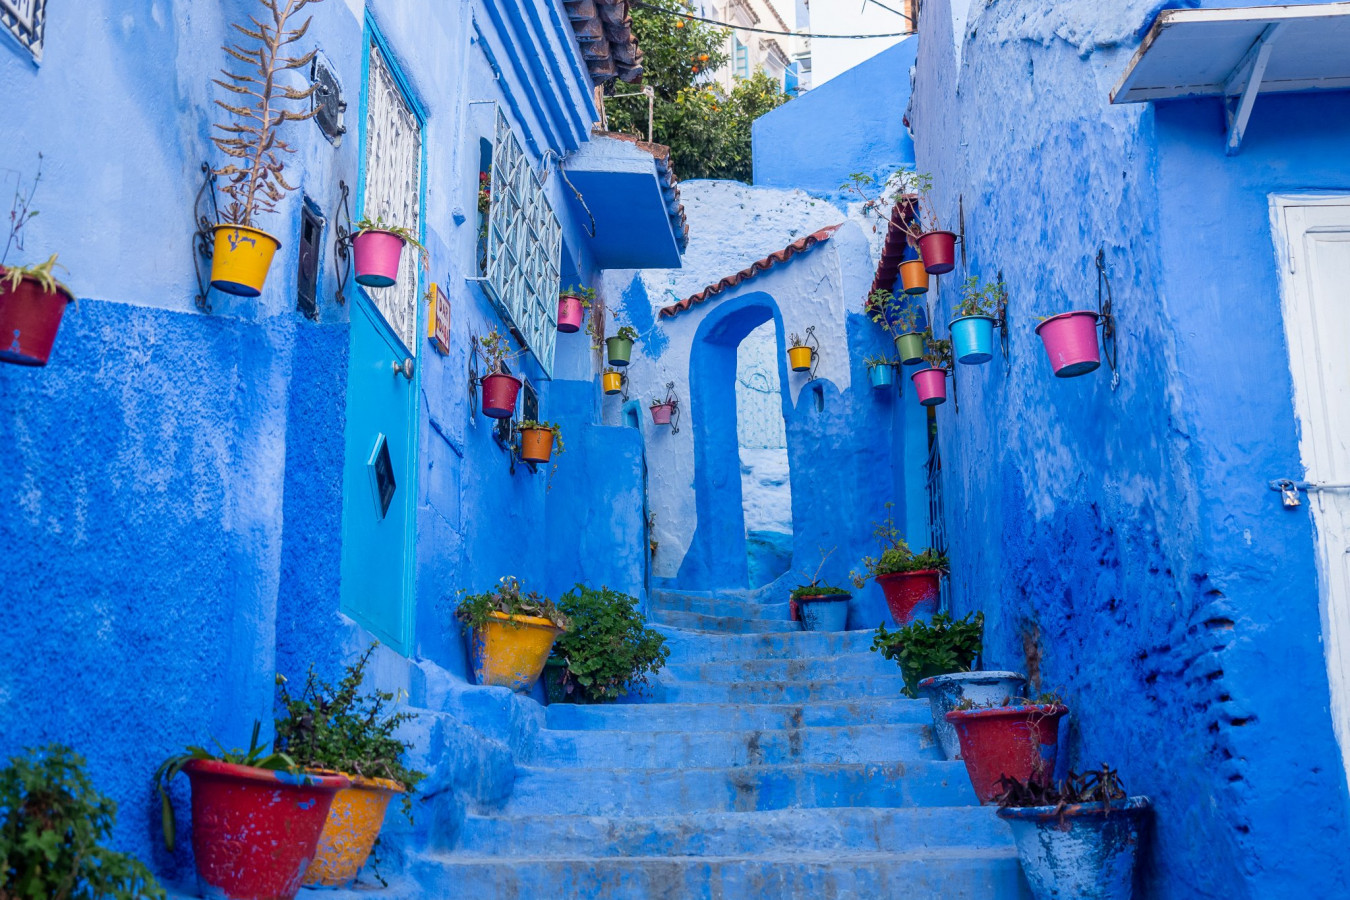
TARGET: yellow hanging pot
(613,382)
(799,358)
(240,259)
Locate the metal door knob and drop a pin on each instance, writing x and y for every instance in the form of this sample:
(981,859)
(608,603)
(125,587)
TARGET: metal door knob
(405,368)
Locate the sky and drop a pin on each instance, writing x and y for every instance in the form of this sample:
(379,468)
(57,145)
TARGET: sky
(829,58)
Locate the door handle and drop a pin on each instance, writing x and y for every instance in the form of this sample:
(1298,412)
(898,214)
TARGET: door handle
(405,368)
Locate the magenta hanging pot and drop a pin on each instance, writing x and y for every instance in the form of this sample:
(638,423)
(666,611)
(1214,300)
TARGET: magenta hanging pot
(661,413)
(499,395)
(938,249)
(1071,342)
(377,256)
(931,385)
(571,313)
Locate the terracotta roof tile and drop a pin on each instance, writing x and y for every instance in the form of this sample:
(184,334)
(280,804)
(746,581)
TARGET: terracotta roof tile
(893,250)
(801,245)
(604,30)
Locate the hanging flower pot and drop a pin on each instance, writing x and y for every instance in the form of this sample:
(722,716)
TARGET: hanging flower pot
(571,313)
(240,259)
(499,395)
(1071,342)
(536,441)
(612,382)
(1017,741)
(931,385)
(377,254)
(661,413)
(799,359)
(949,691)
(882,375)
(510,651)
(254,831)
(910,347)
(938,249)
(354,823)
(619,349)
(911,595)
(30,314)
(1080,850)
(913,276)
(973,339)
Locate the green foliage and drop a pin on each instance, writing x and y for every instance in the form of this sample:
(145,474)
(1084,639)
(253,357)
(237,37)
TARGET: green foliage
(897,315)
(254,756)
(475,610)
(379,224)
(581,292)
(609,650)
(345,729)
(817,590)
(873,362)
(895,553)
(924,650)
(627,333)
(979,299)
(937,353)
(495,348)
(20,213)
(52,823)
(918,185)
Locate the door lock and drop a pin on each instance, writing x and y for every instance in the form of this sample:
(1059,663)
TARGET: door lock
(405,368)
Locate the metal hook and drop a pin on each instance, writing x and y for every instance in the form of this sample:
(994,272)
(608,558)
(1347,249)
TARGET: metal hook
(1106,316)
(203,243)
(342,242)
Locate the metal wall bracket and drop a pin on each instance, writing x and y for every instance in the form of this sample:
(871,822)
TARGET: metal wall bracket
(473,375)
(1242,86)
(1001,323)
(206,215)
(673,399)
(1106,317)
(815,353)
(342,243)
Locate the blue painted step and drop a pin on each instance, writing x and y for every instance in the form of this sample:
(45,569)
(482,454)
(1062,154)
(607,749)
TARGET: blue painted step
(691,646)
(723,606)
(825,668)
(697,717)
(776,691)
(693,621)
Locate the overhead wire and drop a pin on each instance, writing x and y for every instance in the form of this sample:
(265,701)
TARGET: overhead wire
(638,4)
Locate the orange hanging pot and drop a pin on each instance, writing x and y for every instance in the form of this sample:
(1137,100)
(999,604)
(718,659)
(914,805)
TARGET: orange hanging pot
(536,444)
(914,277)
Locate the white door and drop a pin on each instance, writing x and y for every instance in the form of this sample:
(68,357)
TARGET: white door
(1316,272)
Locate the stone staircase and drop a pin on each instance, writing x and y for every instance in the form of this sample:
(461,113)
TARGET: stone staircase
(769,764)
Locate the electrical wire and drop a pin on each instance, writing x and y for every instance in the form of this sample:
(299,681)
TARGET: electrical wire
(638,4)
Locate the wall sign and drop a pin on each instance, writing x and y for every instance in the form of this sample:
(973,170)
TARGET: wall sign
(25,19)
(438,318)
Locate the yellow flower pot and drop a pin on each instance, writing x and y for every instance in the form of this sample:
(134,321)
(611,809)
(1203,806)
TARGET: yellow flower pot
(799,358)
(613,382)
(510,651)
(354,822)
(241,259)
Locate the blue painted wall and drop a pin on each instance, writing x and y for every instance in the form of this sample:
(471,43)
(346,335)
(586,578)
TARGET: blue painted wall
(1123,543)
(851,123)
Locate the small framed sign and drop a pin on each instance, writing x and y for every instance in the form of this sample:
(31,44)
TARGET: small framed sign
(381,468)
(438,318)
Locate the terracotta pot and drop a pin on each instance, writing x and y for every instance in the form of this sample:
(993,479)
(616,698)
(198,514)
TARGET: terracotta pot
(661,413)
(1086,850)
(29,318)
(510,651)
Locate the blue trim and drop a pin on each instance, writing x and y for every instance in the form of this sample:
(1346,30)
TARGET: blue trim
(540,115)
(583,76)
(567,111)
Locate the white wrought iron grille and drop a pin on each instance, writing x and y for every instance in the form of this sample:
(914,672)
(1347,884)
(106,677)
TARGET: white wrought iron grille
(524,247)
(393,188)
(25,19)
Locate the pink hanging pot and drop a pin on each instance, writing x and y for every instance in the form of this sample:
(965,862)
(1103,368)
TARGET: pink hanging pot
(377,254)
(931,385)
(661,413)
(1071,342)
(571,313)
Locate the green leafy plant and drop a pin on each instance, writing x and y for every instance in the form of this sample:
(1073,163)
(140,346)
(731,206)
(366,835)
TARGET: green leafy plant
(345,729)
(795,341)
(379,224)
(924,649)
(895,554)
(661,401)
(256,756)
(21,212)
(53,823)
(813,588)
(255,183)
(627,333)
(1099,786)
(495,348)
(980,299)
(609,650)
(918,186)
(582,293)
(475,610)
(897,315)
(873,362)
(937,352)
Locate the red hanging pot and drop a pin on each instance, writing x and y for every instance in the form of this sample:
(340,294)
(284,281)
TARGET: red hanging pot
(911,595)
(931,385)
(499,395)
(254,831)
(1020,742)
(29,318)
(571,313)
(938,249)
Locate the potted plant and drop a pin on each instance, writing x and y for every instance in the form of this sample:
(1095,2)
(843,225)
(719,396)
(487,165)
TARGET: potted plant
(32,301)
(973,327)
(54,825)
(662,409)
(959,688)
(931,382)
(619,348)
(612,381)
(256,818)
(1071,342)
(499,388)
(901,321)
(537,440)
(254,184)
(1019,740)
(344,730)
(881,370)
(819,607)
(510,633)
(923,649)
(909,581)
(936,246)
(572,305)
(799,354)
(1079,838)
(608,653)
(913,276)
(378,249)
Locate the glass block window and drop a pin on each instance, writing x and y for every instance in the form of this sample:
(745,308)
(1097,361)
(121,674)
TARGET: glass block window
(393,187)
(524,248)
(26,20)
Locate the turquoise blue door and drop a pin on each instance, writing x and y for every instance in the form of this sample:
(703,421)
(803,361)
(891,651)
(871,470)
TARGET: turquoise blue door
(379,481)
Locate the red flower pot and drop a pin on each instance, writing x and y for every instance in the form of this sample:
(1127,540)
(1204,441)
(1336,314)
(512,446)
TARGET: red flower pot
(1017,741)
(938,249)
(661,413)
(29,318)
(499,395)
(570,314)
(931,385)
(910,595)
(254,831)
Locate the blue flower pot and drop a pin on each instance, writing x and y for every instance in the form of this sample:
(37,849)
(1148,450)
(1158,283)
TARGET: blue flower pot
(1083,851)
(882,376)
(828,613)
(973,339)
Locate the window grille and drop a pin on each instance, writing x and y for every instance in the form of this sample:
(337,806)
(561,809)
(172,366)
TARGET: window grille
(26,20)
(524,248)
(393,187)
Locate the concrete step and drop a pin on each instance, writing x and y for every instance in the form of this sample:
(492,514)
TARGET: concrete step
(657,792)
(693,621)
(722,606)
(786,831)
(698,647)
(702,717)
(831,668)
(674,749)
(663,691)
(946,874)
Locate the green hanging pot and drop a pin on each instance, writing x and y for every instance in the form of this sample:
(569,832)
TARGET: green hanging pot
(910,347)
(620,349)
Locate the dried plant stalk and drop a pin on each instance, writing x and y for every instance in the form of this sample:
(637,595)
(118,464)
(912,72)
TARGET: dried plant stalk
(254,182)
